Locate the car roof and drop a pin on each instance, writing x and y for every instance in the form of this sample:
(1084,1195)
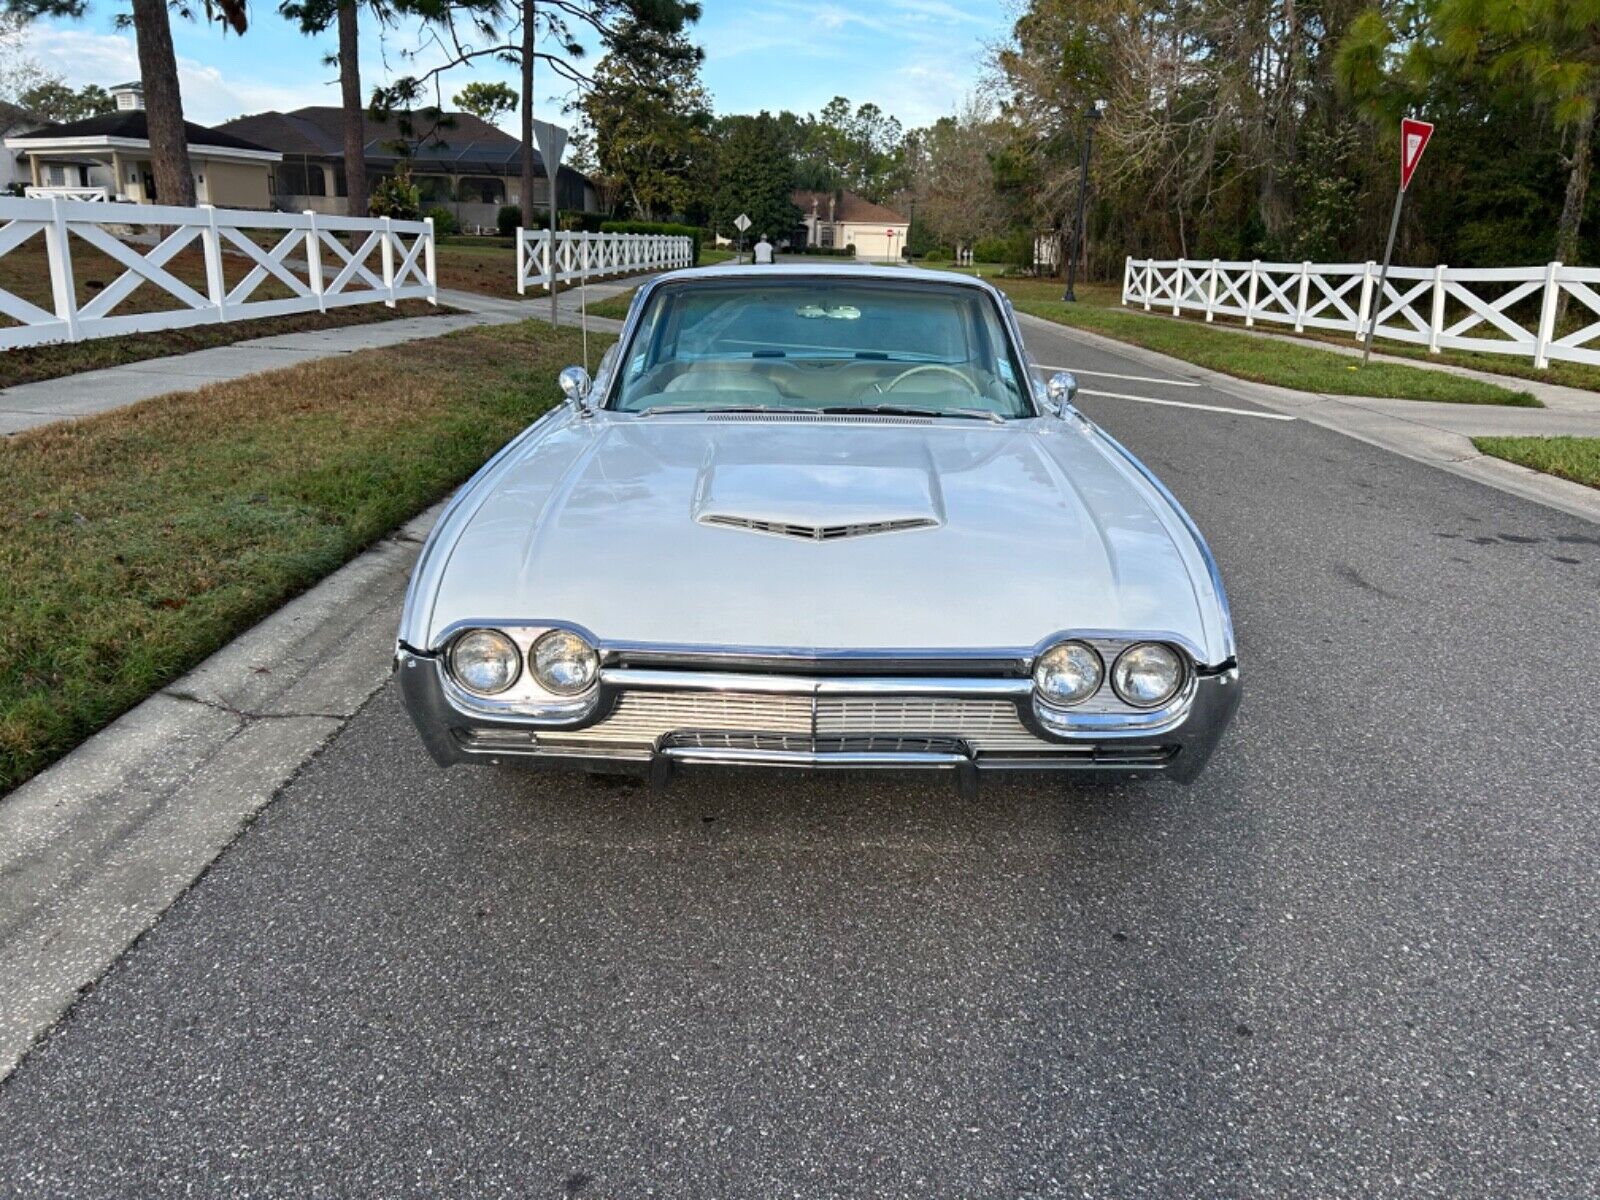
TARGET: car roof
(825,269)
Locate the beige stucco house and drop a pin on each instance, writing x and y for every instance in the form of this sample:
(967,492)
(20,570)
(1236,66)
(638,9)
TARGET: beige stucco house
(842,218)
(108,156)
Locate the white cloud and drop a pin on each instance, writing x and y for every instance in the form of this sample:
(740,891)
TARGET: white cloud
(209,97)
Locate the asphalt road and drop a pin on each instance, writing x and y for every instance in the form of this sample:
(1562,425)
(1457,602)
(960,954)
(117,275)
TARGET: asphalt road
(1359,958)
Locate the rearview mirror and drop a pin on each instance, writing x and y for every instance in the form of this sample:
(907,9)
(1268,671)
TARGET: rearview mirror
(575,386)
(1062,389)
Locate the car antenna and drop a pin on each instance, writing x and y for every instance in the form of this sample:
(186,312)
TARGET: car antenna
(583,302)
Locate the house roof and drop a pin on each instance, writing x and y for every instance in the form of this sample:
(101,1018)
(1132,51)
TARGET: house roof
(14,116)
(847,207)
(465,145)
(131,124)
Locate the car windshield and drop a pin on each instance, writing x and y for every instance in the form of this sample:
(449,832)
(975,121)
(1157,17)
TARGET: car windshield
(822,345)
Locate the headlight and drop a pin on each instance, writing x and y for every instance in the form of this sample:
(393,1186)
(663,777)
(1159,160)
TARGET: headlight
(1068,673)
(1147,674)
(563,662)
(485,661)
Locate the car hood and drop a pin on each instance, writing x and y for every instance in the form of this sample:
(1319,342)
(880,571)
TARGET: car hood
(801,536)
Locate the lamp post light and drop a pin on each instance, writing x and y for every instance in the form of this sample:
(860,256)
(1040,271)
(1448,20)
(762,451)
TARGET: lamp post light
(1091,116)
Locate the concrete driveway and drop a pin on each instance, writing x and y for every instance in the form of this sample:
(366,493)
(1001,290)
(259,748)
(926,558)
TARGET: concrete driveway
(1359,958)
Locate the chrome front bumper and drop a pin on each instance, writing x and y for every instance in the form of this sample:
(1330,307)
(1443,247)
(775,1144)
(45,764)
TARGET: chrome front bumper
(649,720)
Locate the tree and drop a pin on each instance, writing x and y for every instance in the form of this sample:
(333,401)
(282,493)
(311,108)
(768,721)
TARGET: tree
(158,72)
(19,71)
(486,101)
(457,33)
(316,17)
(650,117)
(951,164)
(858,148)
(55,101)
(755,176)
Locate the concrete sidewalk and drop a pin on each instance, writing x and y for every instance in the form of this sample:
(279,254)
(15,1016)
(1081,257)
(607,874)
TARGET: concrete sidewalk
(30,405)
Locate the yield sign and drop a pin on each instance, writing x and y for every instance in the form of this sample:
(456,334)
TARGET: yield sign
(1414,137)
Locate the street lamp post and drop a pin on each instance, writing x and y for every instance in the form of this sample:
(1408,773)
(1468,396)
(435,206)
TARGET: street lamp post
(1091,115)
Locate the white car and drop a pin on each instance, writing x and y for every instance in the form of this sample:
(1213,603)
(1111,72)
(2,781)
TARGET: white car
(818,517)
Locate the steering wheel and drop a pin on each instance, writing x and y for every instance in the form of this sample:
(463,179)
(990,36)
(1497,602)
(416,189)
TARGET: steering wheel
(928,368)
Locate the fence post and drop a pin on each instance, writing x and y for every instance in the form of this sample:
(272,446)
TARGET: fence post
(1211,290)
(522,264)
(1127,278)
(1300,306)
(431,263)
(1436,326)
(1547,315)
(1149,281)
(1365,310)
(314,259)
(62,289)
(550,263)
(211,243)
(386,232)
(1250,304)
(1177,287)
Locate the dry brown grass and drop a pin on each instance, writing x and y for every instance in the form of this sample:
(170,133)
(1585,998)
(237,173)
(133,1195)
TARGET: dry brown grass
(135,543)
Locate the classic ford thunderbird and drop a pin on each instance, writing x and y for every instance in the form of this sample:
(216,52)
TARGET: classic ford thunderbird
(818,517)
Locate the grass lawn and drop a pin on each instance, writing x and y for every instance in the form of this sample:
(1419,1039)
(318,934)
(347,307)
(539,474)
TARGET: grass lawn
(616,307)
(135,543)
(1287,364)
(1574,458)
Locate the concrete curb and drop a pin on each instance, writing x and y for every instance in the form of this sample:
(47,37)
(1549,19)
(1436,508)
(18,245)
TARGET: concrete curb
(97,847)
(1410,435)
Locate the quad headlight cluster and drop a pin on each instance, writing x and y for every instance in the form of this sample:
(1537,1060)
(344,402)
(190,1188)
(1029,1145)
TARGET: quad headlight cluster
(486,662)
(1145,675)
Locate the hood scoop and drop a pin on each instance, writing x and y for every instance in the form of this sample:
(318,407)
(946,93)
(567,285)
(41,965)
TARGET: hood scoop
(818,533)
(816,499)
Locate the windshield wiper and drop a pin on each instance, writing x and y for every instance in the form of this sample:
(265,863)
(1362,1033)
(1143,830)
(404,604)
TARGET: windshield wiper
(895,410)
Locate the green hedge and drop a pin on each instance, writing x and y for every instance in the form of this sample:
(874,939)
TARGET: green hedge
(662,227)
(826,251)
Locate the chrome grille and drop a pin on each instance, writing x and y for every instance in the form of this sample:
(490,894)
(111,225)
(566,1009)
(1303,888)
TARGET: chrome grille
(818,533)
(648,718)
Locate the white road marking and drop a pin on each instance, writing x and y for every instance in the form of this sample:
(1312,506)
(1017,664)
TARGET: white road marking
(1237,412)
(1129,378)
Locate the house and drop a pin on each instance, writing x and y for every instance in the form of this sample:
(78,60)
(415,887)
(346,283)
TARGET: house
(465,164)
(110,154)
(842,218)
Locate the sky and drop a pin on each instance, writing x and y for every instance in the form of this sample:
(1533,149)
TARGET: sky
(915,59)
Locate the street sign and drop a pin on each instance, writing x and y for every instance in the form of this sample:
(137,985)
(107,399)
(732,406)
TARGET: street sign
(741,222)
(1414,137)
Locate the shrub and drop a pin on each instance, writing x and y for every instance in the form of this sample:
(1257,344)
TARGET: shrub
(688,231)
(827,251)
(508,219)
(1014,249)
(396,196)
(444,221)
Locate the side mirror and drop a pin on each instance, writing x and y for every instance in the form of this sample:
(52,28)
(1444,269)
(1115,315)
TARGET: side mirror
(575,386)
(1062,389)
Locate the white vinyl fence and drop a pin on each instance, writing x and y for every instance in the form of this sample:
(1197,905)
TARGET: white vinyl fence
(302,253)
(1493,310)
(586,255)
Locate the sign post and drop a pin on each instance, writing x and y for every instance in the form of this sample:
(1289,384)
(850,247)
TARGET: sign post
(741,223)
(1414,137)
(551,142)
